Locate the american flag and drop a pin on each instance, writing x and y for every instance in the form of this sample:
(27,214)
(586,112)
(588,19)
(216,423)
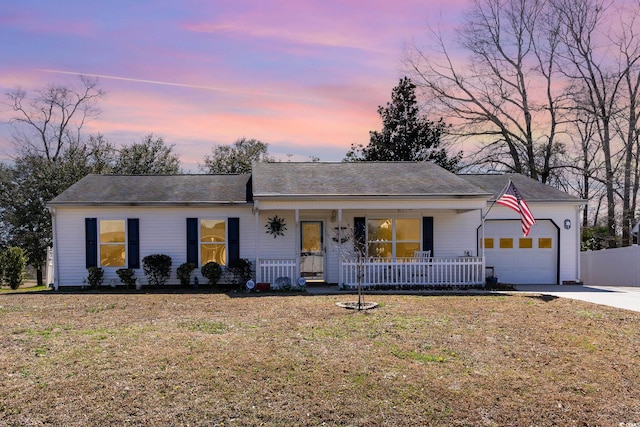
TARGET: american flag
(511,198)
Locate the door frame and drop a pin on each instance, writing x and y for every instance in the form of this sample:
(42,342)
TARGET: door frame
(322,252)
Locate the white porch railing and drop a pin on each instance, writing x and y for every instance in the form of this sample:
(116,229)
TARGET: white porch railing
(271,269)
(435,271)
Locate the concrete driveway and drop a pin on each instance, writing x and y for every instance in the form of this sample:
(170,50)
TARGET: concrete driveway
(614,296)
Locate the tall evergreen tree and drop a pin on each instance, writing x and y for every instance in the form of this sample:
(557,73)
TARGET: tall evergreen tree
(406,135)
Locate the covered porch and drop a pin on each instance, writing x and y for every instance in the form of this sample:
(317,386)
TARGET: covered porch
(378,240)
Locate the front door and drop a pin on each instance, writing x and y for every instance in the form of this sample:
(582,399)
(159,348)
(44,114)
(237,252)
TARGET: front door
(311,250)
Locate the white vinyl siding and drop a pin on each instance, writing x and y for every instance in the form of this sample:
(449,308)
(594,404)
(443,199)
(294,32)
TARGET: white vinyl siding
(162,230)
(568,243)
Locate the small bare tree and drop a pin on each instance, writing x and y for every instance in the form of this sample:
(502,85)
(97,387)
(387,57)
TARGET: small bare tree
(351,246)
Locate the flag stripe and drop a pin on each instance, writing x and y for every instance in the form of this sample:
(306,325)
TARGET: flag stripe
(512,199)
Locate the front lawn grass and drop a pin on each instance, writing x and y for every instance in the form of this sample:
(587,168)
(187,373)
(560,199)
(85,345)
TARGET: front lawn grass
(77,359)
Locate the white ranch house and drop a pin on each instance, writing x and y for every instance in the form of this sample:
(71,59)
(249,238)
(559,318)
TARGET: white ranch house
(421,225)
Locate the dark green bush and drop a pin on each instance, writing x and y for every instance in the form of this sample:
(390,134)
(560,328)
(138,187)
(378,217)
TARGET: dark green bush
(96,275)
(127,276)
(157,268)
(212,271)
(184,273)
(241,271)
(14,262)
(1,266)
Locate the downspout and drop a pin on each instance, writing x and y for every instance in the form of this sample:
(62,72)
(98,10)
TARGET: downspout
(52,212)
(579,209)
(298,243)
(483,273)
(339,247)
(256,216)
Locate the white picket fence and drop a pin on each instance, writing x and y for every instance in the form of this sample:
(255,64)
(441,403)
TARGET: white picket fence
(272,269)
(434,271)
(611,267)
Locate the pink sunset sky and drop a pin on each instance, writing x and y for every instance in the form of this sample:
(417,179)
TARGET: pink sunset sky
(304,76)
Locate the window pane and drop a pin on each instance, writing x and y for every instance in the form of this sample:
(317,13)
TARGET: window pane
(506,243)
(112,255)
(311,237)
(212,230)
(544,243)
(112,230)
(526,243)
(379,229)
(407,249)
(213,252)
(382,250)
(488,243)
(408,229)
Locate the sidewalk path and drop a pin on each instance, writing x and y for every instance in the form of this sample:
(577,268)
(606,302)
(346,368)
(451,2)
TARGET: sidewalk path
(614,296)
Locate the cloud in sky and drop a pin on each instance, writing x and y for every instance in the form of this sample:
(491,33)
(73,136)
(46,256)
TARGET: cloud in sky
(304,76)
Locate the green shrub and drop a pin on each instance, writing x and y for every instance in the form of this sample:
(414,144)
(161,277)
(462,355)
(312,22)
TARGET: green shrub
(157,268)
(241,271)
(1,266)
(14,262)
(212,271)
(184,273)
(96,275)
(127,276)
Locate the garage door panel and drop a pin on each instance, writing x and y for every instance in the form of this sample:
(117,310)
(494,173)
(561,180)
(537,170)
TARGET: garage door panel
(523,265)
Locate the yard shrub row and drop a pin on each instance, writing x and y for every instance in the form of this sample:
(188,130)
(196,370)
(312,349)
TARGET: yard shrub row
(157,269)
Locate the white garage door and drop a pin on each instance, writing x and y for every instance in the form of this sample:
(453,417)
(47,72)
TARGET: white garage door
(522,260)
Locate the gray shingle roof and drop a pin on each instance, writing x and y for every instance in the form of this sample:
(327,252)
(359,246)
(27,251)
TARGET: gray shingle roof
(155,189)
(531,190)
(359,179)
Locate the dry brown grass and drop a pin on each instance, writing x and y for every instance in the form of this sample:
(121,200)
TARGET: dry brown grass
(211,359)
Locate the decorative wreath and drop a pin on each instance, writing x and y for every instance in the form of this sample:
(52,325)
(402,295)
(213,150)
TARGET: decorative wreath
(276,226)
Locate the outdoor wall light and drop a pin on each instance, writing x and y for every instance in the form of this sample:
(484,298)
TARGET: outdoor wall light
(567,224)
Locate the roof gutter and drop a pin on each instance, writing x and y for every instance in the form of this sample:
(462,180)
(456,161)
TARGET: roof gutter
(156,203)
(372,196)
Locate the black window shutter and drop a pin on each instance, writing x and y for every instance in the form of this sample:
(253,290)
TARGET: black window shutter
(91,242)
(233,245)
(427,234)
(192,240)
(359,234)
(133,242)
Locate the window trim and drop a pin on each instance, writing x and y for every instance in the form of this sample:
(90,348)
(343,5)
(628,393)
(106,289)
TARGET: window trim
(394,240)
(225,220)
(100,243)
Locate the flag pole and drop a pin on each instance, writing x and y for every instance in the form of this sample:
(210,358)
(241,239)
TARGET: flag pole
(484,216)
(496,199)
